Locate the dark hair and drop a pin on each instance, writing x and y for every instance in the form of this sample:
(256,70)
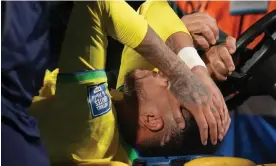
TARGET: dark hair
(186,142)
(129,126)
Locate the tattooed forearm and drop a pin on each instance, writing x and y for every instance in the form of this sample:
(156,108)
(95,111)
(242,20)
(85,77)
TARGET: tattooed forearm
(159,54)
(184,84)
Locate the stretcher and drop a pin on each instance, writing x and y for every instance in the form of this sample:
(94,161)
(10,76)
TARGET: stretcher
(255,75)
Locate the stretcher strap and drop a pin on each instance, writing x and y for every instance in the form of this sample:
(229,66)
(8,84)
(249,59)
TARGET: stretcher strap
(82,77)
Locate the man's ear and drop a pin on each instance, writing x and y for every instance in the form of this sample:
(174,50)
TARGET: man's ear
(153,122)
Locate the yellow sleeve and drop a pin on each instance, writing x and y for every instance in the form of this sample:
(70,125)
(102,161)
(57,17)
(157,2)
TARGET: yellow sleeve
(85,42)
(90,23)
(162,18)
(123,23)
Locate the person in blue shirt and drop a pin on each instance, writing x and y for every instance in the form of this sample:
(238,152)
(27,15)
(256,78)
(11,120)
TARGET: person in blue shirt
(25,55)
(32,34)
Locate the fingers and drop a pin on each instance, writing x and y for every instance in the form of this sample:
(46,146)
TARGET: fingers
(212,24)
(203,25)
(200,40)
(202,124)
(221,61)
(212,122)
(219,116)
(208,24)
(209,68)
(227,59)
(218,75)
(228,124)
(178,117)
(214,28)
(208,34)
(231,44)
(220,67)
(226,119)
(220,126)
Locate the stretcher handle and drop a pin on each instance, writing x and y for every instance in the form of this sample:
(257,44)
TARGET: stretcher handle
(255,30)
(264,25)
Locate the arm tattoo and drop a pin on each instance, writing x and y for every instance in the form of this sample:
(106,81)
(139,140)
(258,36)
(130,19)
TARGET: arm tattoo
(157,52)
(184,84)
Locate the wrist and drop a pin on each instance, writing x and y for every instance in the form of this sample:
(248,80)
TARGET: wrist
(200,71)
(191,58)
(210,70)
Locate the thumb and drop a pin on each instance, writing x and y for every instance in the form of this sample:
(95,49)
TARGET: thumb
(231,44)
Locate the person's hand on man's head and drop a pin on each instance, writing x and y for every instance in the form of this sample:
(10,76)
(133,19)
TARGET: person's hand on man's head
(219,59)
(203,29)
(199,95)
(217,116)
(205,102)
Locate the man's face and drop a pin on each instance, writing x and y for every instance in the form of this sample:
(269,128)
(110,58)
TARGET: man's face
(155,102)
(147,122)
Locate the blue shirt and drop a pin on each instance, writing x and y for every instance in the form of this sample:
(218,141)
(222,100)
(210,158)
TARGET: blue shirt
(25,55)
(252,133)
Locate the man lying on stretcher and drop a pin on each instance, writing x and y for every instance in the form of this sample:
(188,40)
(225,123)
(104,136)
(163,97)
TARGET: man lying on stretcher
(143,116)
(145,122)
(80,129)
